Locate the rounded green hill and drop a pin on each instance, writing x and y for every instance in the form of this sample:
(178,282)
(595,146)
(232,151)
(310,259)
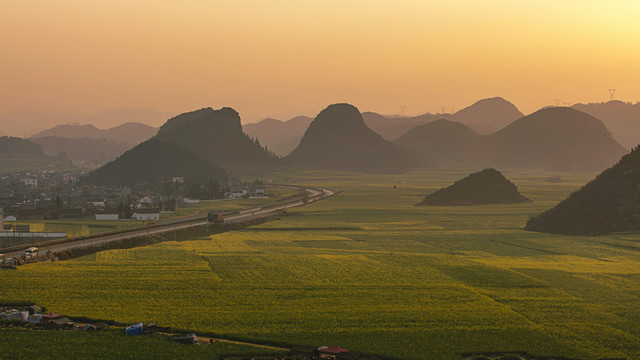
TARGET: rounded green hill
(488,186)
(610,203)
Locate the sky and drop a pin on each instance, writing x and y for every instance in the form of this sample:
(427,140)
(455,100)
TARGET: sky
(281,58)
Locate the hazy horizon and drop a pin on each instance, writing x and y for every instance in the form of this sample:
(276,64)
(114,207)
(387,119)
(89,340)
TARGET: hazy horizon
(289,58)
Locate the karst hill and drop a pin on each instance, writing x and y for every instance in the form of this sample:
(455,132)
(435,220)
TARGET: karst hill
(556,139)
(610,203)
(488,186)
(153,161)
(338,139)
(217,136)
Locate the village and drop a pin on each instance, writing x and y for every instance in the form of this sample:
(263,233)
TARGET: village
(51,195)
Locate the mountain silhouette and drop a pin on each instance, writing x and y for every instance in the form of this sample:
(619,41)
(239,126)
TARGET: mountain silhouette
(483,117)
(153,161)
(82,150)
(443,142)
(488,186)
(621,118)
(488,115)
(71,131)
(217,136)
(279,136)
(610,203)
(557,139)
(338,139)
(129,133)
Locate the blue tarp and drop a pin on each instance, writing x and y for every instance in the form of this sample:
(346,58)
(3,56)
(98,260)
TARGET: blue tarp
(134,329)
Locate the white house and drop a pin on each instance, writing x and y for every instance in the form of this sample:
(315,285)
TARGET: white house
(145,215)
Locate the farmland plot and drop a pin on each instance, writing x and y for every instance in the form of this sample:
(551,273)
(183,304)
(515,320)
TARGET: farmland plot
(369,271)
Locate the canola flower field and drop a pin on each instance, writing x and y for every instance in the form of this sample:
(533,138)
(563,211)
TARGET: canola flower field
(369,271)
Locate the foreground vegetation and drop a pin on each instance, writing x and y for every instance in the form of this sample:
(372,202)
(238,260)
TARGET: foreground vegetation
(369,271)
(108,344)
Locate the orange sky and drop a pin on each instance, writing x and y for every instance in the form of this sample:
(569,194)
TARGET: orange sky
(287,57)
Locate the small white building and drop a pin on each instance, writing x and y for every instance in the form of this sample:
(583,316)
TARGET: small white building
(108,217)
(177,179)
(146,215)
(30,182)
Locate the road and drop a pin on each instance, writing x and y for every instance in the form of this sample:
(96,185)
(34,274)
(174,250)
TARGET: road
(173,225)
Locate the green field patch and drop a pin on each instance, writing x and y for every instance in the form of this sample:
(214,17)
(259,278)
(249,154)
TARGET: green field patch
(568,263)
(479,275)
(580,287)
(597,340)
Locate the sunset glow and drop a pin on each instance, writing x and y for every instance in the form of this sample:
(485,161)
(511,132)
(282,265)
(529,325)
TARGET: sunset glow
(283,58)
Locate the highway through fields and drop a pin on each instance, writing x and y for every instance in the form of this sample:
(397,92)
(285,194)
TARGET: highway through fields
(175,224)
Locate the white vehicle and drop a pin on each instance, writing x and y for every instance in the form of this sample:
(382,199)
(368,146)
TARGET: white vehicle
(30,253)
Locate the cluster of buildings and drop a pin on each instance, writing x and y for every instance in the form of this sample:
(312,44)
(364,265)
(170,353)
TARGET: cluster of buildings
(49,194)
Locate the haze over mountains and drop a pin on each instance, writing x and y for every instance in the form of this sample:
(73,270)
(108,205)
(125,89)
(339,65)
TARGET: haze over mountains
(338,139)
(86,144)
(621,118)
(484,117)
(29,122)
(279,136)
(82,151)
(129,133)
(551,139)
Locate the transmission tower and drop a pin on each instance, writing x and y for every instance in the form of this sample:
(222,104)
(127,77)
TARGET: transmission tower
(612,92)
(402,110)
(558,101)
(443,108)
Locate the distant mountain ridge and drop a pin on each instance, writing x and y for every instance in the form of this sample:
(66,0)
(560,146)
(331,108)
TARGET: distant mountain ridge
(621,118)
(610,203)
(82,150)
(338,139)
(483,117)
(279,136)
(552,139)
(131,133)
